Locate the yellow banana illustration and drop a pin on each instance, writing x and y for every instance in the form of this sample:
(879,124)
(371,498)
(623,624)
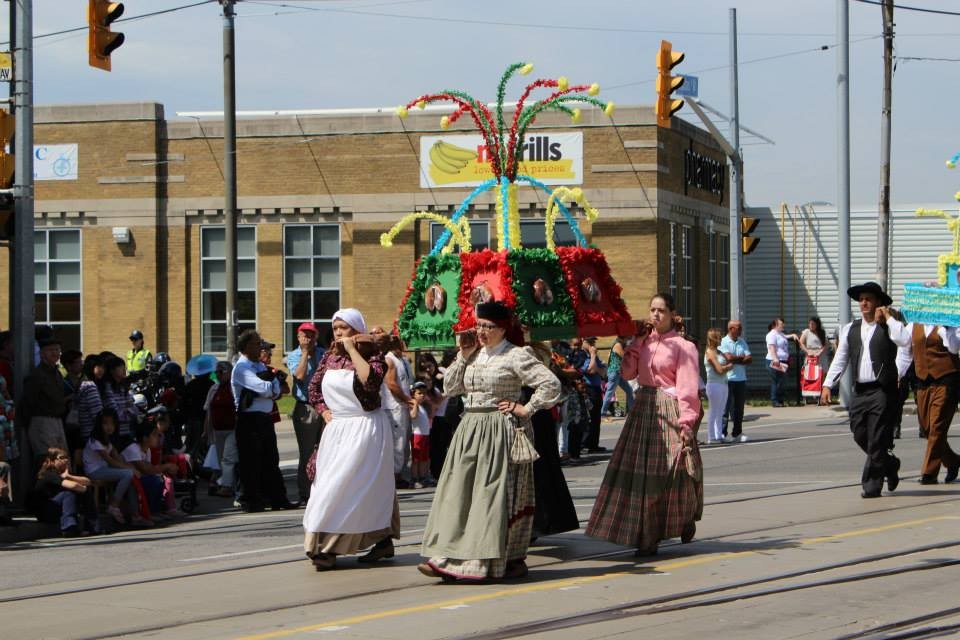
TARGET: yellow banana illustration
(444,164)
(453,152)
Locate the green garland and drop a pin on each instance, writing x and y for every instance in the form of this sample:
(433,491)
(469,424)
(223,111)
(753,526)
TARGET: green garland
(420,327)
(555,320)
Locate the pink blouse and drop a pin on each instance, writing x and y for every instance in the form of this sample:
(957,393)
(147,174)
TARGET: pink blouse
(668,362)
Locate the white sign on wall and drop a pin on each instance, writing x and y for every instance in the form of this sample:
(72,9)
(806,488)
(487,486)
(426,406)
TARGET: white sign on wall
(55,161)
(463,160)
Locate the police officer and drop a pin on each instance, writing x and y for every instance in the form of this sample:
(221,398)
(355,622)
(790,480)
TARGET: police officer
(138,356)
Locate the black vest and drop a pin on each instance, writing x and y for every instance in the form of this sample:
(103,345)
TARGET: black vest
(883,354)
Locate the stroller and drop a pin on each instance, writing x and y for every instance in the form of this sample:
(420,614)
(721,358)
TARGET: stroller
(185,483)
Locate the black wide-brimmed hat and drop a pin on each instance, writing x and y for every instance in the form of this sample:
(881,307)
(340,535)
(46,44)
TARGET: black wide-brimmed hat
(870,287)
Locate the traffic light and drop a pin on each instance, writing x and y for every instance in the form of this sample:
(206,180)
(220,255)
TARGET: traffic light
(101,42)
(667,105)
(747,225)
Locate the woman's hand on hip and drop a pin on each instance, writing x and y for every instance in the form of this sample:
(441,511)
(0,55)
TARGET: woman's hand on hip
(327,416)
(509,407)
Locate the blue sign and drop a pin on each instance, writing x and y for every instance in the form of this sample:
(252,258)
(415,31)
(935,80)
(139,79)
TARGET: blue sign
(689,87)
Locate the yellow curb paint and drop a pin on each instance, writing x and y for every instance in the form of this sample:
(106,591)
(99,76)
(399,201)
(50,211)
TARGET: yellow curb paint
(572,582)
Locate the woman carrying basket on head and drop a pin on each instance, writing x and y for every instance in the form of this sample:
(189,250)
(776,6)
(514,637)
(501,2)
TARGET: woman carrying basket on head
(653,487)
(481,520)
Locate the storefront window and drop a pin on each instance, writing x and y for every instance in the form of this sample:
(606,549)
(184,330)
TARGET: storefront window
(311,277)
(57,283)
(719,280)
(213,292)
(686,302)
(534,234)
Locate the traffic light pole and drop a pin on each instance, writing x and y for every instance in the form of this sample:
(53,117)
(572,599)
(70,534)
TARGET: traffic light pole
(230,173)
(22,299)
(736,177)
(843,177)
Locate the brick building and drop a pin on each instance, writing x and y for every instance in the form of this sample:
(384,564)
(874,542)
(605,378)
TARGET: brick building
(131,236)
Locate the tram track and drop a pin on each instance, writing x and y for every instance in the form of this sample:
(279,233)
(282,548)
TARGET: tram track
(139,580)
(717,595)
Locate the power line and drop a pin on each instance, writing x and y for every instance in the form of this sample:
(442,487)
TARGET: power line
(908,8)
(130,19)
(522,25)
(825,47)
(922,59)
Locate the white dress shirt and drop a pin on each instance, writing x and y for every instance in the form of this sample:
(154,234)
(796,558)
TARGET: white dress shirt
(244,376)
(902,334)
(865,366)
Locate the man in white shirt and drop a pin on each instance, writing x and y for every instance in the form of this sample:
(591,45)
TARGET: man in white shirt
(867,345)
(254,390)
(934,349)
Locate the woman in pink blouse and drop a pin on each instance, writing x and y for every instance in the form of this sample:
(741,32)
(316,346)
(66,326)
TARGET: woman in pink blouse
(653,487)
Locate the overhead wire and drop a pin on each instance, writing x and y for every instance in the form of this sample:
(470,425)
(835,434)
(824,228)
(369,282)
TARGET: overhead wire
(942,12)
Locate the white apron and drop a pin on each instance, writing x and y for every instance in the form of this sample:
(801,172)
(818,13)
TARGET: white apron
(353,490)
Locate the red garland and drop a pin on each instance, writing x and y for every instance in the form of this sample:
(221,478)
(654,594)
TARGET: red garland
(613,310)
(406,296)
(512,146)
(492,141)
(473,264)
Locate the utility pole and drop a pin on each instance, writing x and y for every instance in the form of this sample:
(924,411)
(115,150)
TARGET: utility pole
(22,300)
(883,222)
(736,177)
(230,173)
(843,176)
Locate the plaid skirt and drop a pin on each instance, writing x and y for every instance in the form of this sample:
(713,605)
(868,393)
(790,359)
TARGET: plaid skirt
(653,487)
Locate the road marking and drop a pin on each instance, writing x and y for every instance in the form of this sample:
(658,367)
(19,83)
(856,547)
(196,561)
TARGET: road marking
(552,585)
(456,606)
(220,556)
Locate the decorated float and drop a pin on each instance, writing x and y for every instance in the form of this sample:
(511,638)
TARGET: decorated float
(938,302)
(556,292)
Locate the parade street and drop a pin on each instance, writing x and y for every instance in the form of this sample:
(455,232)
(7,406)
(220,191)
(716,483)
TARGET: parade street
(786,548)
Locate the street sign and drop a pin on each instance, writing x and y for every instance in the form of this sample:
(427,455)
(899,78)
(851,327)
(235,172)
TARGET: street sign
(6,66)
(689,87)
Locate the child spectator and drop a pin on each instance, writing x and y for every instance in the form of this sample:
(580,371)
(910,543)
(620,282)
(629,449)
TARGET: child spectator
(219,428)
(101,463)
(87,400)
(116,395)
(155,479)
(420,423)
(164,451)
(58,495)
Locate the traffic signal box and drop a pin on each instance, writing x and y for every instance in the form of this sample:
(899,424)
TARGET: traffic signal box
(667,105)
(747,225)
(101,41)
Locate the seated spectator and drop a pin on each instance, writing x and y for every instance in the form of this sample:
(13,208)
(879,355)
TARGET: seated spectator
(115,393)
(59,495)
(164,451)
(156,479)
(87,401)
(101,463)
(8,453)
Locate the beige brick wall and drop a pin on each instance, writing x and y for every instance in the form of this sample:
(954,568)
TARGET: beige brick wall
(154,284)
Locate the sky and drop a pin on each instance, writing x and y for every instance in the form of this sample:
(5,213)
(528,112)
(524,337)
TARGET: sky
(316,54)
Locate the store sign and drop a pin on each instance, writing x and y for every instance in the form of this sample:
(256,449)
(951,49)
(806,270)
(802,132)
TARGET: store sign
(464,160)
(55,161)
(703,173)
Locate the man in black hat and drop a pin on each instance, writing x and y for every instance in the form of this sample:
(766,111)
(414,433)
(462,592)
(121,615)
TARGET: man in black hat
(44,402)
(866,343)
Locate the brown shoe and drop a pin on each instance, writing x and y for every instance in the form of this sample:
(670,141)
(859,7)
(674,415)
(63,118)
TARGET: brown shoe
(689,530)
(383,550)
(429,571)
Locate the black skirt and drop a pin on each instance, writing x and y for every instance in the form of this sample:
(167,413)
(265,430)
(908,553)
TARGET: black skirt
(555,512)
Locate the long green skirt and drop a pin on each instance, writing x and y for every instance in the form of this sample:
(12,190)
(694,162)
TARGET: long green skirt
(482,513)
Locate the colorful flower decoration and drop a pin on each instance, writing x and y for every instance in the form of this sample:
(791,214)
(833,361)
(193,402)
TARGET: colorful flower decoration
(535,282)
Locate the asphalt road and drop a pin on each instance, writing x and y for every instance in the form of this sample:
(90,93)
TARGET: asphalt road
(786,549)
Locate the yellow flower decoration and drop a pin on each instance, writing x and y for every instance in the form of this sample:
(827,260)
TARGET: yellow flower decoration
(564,195)
(562,83)
(526,69)
(459,231)
(445,122)
(575,117)
(422,104)
(608,110)
(402,111)
(593,90)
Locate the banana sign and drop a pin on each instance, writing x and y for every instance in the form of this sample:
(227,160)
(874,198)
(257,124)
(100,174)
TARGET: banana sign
(463,161)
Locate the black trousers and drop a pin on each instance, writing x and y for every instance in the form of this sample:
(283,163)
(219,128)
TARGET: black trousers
(307,426)
(260,476)
(736,399)
(871,422)
(592,440)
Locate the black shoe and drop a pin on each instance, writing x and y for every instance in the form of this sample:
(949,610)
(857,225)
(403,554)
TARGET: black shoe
(252,507)
(597,450)
(73,531)
(922,434)
(928,478)
(893,479)
(952,473)
(383,550)
(689,530)
(870,494)
(643,552)
(284,506)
